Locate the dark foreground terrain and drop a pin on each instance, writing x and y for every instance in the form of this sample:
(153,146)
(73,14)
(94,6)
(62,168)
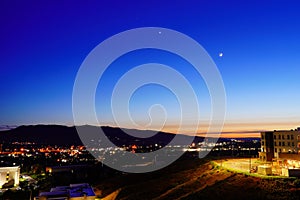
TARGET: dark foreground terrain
(196,179)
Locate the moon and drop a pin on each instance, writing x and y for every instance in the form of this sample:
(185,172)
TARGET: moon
(221,54)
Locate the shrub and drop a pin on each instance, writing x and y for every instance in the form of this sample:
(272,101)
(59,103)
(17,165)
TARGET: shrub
(297,183)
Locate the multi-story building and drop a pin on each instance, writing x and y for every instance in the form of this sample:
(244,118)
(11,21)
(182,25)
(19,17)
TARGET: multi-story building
(275,144)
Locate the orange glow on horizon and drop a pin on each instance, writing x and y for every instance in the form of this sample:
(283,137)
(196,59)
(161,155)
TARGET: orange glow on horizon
(231,129)
(238,130)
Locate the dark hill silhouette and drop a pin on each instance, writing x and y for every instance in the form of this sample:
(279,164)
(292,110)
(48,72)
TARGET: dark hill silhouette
(64,135)
(42,134)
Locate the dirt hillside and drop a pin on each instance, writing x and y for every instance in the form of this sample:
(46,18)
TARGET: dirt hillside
(196,179)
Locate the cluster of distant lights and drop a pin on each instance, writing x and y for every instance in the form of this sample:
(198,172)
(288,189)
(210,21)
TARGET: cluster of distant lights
(201,146)
(65,153)
(75,150)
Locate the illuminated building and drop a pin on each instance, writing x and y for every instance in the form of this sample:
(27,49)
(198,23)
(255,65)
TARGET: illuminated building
(280,144)
(8,174)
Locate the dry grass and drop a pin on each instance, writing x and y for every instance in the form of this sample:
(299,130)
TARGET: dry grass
(113,195)
(195,179)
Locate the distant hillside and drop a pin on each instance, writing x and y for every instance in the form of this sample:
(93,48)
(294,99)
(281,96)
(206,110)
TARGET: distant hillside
(63,135)
(44,134)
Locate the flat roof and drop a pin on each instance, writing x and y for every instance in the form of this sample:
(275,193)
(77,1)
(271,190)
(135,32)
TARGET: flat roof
(54,193)
(74,190)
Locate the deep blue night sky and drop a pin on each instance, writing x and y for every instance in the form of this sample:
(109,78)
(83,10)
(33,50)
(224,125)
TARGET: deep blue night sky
(43,44)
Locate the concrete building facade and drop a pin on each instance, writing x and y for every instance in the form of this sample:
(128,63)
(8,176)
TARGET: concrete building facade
(8,174)
(277,144)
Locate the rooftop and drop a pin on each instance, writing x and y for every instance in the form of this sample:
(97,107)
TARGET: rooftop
(74,190)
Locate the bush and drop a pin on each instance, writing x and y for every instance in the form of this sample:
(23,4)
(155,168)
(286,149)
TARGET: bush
(9,184)
(203,175)
(297,183)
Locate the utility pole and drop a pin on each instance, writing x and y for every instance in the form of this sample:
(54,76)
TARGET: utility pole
(249,160)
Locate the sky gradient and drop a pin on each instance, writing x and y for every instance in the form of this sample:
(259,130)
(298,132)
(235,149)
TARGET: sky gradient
(44,43)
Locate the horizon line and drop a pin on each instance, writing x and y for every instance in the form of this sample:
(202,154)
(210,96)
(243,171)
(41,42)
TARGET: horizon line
(223,134)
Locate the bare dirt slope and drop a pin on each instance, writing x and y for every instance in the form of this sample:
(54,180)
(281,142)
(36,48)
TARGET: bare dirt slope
(196,179)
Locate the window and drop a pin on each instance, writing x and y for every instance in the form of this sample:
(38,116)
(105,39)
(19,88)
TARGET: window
(283,144)
(292,137)
(275,150)
(298,137)
(288,137)
(283,137)
(279,143)
(274,137)
(293,144)
(279,137)
(275,144)
(279,150)
(289,144)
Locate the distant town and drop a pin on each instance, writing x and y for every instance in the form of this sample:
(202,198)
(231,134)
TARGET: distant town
(35,169)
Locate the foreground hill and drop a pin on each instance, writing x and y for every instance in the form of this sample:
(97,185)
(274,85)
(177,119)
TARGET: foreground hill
(196,179)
